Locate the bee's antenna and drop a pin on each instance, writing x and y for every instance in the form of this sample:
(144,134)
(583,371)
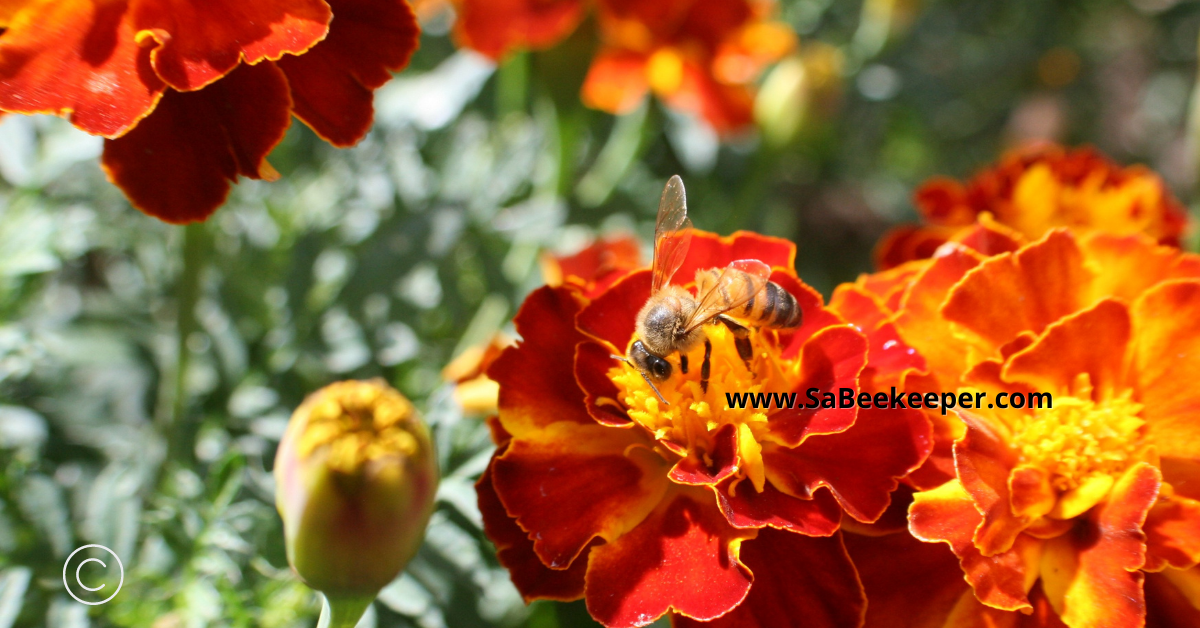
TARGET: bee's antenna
(652,387)
(644,376)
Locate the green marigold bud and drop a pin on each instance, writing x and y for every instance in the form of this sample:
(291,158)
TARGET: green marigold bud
(355,478)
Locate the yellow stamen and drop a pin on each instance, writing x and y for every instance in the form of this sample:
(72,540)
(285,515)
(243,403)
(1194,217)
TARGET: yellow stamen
(1083,445)
(693,415)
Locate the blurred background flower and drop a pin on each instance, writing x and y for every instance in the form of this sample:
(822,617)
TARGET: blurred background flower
(147,372)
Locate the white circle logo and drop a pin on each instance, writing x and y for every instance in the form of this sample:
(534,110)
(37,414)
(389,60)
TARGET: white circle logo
(79,580)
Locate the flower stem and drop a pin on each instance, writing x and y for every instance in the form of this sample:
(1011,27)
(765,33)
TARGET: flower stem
(180,432)
(342,612)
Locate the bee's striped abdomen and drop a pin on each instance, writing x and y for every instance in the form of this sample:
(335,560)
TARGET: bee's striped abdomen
(778,308)
(770,306)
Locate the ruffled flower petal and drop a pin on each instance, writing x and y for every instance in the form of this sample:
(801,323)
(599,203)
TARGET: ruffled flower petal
(948,514)
(179,163)
(515,551)
(798,580)
(568,483)
(81,59)
(683,557)
(333,84)
(1091,576)
(1068,348)
(1166,361)
(745,507)
(1173,534)
(196,44)
(861,466)
(537,377)
(830,360)
(1026,291)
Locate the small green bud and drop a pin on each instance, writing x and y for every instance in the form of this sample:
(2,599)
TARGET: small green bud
(355,479)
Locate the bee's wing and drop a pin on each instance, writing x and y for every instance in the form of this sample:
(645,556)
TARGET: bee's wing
(730,291)
(672,234)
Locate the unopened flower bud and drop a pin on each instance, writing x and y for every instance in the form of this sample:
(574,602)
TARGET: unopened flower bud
(355,482)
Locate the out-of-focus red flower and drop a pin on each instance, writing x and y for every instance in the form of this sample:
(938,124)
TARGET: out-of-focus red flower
(701,57)
(1035,189)
(1082,514)
(595,267)
(720,514)
(189,97)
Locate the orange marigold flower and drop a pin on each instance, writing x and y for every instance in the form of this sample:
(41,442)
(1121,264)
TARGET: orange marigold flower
(720,514)
(699,57)
(1035,189)
(190,97)
(1059,510)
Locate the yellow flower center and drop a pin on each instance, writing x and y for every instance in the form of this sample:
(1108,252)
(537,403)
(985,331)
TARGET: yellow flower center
(358,422)
(693,415)
(1080,438)
(1083,446)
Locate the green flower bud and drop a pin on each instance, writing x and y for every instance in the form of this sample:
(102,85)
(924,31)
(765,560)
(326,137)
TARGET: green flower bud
(355,478)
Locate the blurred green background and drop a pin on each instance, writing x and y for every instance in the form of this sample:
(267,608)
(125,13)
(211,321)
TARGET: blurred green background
(147,371)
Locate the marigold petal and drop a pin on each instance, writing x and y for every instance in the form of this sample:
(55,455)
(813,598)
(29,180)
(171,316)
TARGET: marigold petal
(199,43)
(708,250)
(1011,293)
(597,266)
(861,465)
(888,355)
(1068,348)
(1167,606)
(1030,493)
(712,466)
(1129,265)
(1166,360)
(831,360)
(569,483)
(78,59)
(798,581)
(744,507)
(909,584)
(683,557)
(612,316)
(592,361)
(497,27)
(537,377)
(1091,576)
(179,163)
(615,82)
(1173,534)
(948,514)
(910,242)
(919,316)
(985,463)
(333,84)
(515,551)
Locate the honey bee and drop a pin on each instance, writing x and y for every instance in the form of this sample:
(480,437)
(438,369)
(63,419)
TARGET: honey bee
(672,320)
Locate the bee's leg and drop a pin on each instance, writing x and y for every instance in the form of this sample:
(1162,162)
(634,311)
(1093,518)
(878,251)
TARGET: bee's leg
(683,363)
(706,365)
(741,340)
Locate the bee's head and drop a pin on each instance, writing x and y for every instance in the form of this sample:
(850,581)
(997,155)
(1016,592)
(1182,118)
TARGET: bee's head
(652,366)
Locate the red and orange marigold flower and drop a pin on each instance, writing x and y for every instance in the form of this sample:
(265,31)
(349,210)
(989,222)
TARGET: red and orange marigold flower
(600,491)
(1084,514)
(190,96)
(700,57)
(1037,188)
